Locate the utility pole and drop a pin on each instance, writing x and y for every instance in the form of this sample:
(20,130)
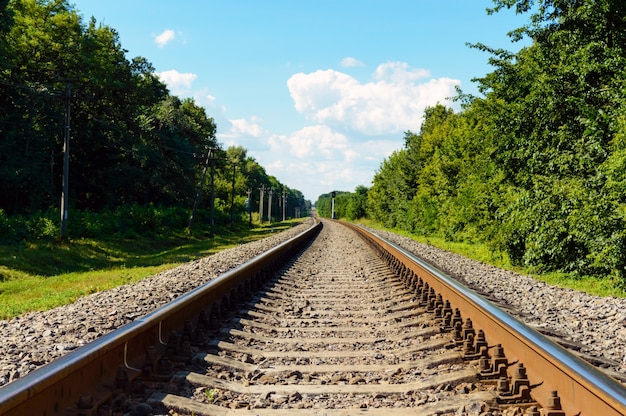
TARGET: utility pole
(250,205)
(212,198)
(200,186)
(66,161)
(284,203)
(269,206)
(232,200)
(262,196)
(52,177)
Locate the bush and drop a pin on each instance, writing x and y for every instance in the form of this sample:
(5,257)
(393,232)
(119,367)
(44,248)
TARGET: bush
(42,228)
(128,221)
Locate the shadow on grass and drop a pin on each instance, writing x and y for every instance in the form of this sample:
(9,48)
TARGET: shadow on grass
(50,259)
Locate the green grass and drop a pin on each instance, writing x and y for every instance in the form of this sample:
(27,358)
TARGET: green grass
(35,277)
(483,253)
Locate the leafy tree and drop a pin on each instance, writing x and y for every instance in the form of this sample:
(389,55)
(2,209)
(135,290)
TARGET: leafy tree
(357,203)
(134,146)
(40,41)
(535,166)
(555,125)
(393,188)
(324,206)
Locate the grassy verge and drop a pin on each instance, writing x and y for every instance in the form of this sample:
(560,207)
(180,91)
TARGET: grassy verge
(41,276)
(483,253)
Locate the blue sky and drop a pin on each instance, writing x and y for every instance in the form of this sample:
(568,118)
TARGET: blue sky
(318,91)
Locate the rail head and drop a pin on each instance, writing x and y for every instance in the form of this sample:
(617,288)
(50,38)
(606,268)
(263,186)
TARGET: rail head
(54,387)
(583,389)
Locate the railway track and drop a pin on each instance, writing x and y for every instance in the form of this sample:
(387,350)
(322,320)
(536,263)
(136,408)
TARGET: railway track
(333,326)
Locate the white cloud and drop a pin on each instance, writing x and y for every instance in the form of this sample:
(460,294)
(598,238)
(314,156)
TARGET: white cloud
(246,127)
(246,132)
(372,152)
(316,177)
(276,165)
(399,73)
(355,125)
(317,160)
(313,142)
(350,62)
(179,83)
(394,102)
(165,37)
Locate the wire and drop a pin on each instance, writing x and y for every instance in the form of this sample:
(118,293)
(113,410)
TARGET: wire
(51,74)
(29,88)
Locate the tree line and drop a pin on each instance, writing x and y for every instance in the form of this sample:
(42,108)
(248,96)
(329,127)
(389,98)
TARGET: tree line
(133,143)
(535,166)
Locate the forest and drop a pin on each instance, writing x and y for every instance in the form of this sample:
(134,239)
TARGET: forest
(137,154)
(536,165)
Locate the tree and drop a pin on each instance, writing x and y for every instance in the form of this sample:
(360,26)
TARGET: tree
(387,199)
(557,105)
(132,142)
(357,203)
(41,42)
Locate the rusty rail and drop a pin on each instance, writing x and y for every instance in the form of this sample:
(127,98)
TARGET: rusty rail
(583,389)
(58,386)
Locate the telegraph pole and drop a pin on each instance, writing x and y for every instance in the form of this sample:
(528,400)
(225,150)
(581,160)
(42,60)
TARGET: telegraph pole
(232,200)
(212,198)
(66,161)
(250,205)
(269,206)
(200,186)
(284,203)
(262,196)
(52,177)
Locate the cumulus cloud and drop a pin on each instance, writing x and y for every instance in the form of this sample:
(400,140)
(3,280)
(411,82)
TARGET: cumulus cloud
(354,125)
(349,62)
(165,37)
(246,132)
(314,159)
(246,127)
(393,102)
(178,82)
(325,159)
(399,73)
(313,142)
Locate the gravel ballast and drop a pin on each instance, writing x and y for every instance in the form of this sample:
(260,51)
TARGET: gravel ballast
(37,338)
(597,324)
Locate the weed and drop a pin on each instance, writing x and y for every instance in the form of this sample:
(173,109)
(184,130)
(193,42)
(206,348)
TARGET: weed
(211,395)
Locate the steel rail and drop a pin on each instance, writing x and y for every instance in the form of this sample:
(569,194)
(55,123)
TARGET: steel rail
(58,386)
(583,389)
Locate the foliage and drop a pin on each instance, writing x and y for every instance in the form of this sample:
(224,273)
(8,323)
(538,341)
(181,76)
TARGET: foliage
(348,205)
(357,203)
(560,103)
(133,145)
(324,204)
(535,166)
